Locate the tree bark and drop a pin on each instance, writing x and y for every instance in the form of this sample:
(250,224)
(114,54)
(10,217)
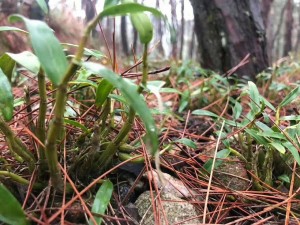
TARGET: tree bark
(182,30)
(227,31)
(266,7)
(288,28)
(174,40)
(159,32)
(124,35)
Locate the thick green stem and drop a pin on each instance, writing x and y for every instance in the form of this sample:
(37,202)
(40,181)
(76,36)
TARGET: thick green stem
(18,179)
(16,145)
(56,126)
(41,131)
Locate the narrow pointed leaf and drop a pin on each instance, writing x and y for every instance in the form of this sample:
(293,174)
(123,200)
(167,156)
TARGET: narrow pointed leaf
(102,200)
(46,47)
(134,99)
(8,28)
(290,97)
(187,142)
(290,147)
(255,98)
(278,146)
(7,65)
(203,112)
(11,211)
(103,90)
(6,97)
(76,124)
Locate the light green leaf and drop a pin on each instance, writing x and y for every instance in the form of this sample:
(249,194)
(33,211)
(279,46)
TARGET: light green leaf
(6,97)
(187,142)
(46,47)
(278,147)
(43,5)
(259,139)
(7,28)
(289,146)
(103,90)
(27,60)
(129,91)
(220,155)
(126,8)
(290,97)
(203,112)
(143,25)
(255,98)
(237,110)
(170,90)
(11,211)
(102,200)
(284,178)
(7,65)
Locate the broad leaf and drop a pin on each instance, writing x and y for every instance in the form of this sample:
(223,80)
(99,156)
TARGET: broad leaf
(109,3)
(143,25)
(293,150)
(220,155)
(129,91)
(103,90)
(102,200)
(46,47)
(126,8)
(7,65)
(237,110)
(27,60)
(187,142)
(278,146)
(11,211)
(6,97)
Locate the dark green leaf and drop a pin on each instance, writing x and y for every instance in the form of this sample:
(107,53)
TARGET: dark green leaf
(43,5)
(7,28)
(27,60)
(102,200)
(11,211)
(109,3)
(289,146)
(6,97)
(237,110)
(76,124)
(267,103)
(129,91)
(184,100)
(255,98)
(103,90)
(7,65)
(290,97)
(46,47)
(284,178)
(278,146)
(259,139)
(126,8)
(203,112)
(187,142)
(220,155)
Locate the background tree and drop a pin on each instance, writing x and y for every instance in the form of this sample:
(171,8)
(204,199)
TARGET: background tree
(288,28)
(226,34)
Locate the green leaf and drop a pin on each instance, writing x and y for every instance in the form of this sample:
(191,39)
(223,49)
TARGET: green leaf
(220,155)
(184,100)
(103,90)
(129,91)
(126,8)
(203,112)
(259,139)
(255,97)
(7,65)
(237,110)
(278,146)
(109,3)
(43,5)
(102,200)
(7,28)
(46,47)
(11,211)
(76,124)
(293,117)
(290,97)
(88,52)
(267,103)
(143,25)
(289,146)
(284,178)
(170,90)
(6,97)
(27,60)
(187,142)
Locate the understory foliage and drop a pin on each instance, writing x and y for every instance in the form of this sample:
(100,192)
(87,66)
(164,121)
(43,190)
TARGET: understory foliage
(79,121)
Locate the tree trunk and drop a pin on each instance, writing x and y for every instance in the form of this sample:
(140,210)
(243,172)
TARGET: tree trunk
(288,28)
(174,40)
(159,32)
(124,35)
(266,7)
(227,31)
(182,30)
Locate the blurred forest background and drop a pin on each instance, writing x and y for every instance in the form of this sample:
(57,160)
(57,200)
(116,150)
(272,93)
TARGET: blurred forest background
(175,37)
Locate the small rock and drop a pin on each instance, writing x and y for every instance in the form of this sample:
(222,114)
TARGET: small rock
(175,209)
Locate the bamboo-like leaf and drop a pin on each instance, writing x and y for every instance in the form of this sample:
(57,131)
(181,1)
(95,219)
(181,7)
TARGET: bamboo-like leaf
(237,110)
(76,124)
(255,98)
(8,28)
(102,200)
(27,60)
(11,211)
(290,147)
(187,142)
(278,146)
(258,138)
(129,91)
(46,47)
(290,97)
(220,155)
(203,112)
(6,97)
(103,90)
(126,8)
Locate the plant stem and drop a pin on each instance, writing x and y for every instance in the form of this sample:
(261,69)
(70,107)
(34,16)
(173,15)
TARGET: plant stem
(18,179)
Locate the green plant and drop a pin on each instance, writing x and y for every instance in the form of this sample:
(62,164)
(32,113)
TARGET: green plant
(49,61)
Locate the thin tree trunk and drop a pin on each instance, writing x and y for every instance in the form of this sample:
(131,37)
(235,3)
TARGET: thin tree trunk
(182,30)
(192,43)
(266,7)
(174,40)
(159,32)
(124,35)
(298,32)
(288,28)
